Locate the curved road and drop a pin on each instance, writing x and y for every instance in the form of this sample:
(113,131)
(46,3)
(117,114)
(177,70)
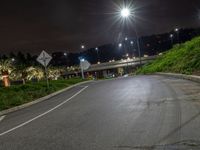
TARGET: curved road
(139,113)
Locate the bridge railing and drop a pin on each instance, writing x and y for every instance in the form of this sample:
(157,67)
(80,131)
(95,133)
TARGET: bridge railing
(123,61)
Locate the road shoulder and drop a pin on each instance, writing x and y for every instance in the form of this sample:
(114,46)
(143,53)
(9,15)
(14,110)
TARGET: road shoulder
(181,76)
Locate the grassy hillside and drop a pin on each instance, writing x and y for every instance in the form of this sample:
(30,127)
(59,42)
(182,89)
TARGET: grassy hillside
(183,58)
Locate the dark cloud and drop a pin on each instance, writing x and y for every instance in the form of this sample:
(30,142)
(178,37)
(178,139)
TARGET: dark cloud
(56,25)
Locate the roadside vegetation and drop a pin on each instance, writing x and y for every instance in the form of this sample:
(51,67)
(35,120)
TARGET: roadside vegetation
(19,94)
(21,83)
(182,58)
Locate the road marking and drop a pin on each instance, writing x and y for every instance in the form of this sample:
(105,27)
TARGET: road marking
(43,114)
(2,117)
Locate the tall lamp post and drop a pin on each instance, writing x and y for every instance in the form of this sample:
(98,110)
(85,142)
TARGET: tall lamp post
(81,65)
(125,14)
(97,50)
(172,38)
(177,32)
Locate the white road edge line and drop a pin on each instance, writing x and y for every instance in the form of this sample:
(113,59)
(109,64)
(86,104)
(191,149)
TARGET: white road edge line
(43,114)
(2,117)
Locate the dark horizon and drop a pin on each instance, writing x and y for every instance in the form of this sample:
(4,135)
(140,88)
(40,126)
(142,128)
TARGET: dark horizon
(65,25)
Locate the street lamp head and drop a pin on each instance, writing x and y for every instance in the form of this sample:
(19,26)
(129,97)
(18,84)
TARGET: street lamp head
(120,45)
(82,46)
(171,35)
(126,38)
(82,60)
(125,12)
(132,42)
(176,30)
(65,54)
(96,48)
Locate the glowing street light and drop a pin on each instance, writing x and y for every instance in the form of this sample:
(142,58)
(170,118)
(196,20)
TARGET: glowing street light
(126,38)
(132,42)
(125,12)
(171,37)
(120,45)
(177,31)
(82,60)
(82,46)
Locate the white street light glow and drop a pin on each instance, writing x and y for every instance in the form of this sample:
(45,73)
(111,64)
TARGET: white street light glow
(120,44)
(82,46)
(176,29)
(125,12)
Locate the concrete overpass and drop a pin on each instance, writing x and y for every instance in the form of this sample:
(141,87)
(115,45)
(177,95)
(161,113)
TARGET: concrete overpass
(117,68)
(120,63)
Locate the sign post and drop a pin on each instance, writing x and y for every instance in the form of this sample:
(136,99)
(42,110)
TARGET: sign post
(84,64)
(82,72)
(44,58)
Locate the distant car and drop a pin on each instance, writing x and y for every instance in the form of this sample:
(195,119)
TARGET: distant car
(126,75)
(112,75)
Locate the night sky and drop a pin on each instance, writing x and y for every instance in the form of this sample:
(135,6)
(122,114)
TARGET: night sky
(57,25)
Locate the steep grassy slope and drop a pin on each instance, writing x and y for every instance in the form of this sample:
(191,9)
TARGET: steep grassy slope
(183,58)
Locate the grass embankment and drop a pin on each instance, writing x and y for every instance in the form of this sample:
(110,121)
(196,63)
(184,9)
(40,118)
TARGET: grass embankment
(183,58)
(20,94)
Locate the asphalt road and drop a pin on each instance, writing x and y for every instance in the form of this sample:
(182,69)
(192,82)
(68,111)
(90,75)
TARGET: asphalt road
(139,113)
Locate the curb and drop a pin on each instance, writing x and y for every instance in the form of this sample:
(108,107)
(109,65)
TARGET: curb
(181,76)
(40,99)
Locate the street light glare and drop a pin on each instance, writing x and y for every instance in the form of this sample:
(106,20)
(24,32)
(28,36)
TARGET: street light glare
(125,12)
(82,46)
